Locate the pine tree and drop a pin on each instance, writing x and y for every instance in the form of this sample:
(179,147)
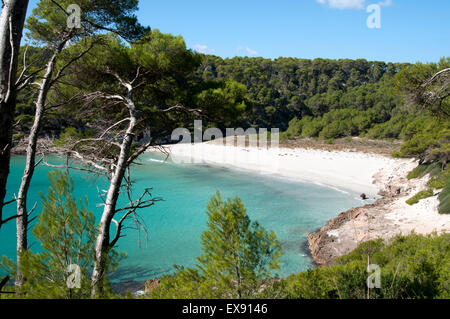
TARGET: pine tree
(66,231)
(238,255)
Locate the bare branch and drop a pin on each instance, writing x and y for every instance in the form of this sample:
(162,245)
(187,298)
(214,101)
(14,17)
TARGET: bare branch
(5,280)
(72,99)
(82,169)
(60,73)
(437,76)
(3,222)
(179,108)
(24,65)
(2,152)
(98,94)
(131,209)
(11,64)
(10,202)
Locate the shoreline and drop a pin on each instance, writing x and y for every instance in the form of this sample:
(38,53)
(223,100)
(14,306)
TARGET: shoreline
(380,177)
(388,217)
(347,171)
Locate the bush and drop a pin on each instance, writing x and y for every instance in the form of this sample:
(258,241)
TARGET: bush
(424,169)
(421,195)
(413,266)
(439,180)
(444,199)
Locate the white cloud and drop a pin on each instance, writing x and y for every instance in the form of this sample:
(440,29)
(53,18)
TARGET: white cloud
(247,50)
(385,3)
(343,4)
(203,48)
(350,4)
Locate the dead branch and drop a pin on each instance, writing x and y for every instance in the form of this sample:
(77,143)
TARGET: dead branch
(60,72)
(82,169)
(140,203)
(179,108)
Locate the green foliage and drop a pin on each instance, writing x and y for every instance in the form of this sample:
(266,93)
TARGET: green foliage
(424,169)
(420,195)
(412,266)
(226,100)
(429,140)
(382,110)
(24,119)
(334,124)
(48,21)
(444,199)
(439,180)
(285,88)
(165,69)
(237,255)
(71,135)
(18,137)
(66,232)
(418,93)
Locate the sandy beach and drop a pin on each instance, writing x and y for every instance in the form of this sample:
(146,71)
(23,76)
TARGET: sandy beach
(380,177)
(350,171)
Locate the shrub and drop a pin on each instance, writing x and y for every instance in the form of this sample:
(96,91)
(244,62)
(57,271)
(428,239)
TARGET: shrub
(413,266)
(444,199)
(421,195)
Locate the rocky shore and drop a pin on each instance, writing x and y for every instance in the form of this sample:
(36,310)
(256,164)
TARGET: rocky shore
(387,217)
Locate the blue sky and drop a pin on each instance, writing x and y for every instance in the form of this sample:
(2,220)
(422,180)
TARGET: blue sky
(411,30)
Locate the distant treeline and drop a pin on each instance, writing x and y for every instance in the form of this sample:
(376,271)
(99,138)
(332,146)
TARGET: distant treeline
(318,98)
(285,88)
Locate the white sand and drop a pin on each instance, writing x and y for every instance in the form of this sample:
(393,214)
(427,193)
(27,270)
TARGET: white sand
(423,217)
(351,171)
(393,217)
(346,170)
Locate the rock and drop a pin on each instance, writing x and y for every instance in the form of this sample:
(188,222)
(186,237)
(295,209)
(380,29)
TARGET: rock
(323,247)
(364,196)
(151,285)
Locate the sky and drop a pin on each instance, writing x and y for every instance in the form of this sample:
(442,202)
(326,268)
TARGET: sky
(410,30)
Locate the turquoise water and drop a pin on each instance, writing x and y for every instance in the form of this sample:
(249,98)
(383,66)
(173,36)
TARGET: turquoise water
(291,209)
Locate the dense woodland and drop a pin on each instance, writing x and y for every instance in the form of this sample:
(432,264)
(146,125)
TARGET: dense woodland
(99,91)
(285,88)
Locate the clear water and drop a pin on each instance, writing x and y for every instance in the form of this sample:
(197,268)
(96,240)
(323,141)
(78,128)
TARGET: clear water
(290,208)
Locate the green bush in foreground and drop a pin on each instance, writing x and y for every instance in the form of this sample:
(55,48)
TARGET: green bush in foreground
(237,255)
(411,266)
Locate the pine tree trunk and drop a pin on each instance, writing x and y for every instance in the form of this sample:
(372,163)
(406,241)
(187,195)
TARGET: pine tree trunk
(13,15)
(103,238)
(22,212)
